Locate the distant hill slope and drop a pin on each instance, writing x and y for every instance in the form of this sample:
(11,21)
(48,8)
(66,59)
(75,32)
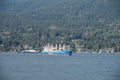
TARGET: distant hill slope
(68,12)
(19,6)
(86,10)
(95,24)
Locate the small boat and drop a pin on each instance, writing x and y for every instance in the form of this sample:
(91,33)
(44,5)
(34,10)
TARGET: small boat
(29,51)
(56,50)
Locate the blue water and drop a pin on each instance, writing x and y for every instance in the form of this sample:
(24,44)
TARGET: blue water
(76,67)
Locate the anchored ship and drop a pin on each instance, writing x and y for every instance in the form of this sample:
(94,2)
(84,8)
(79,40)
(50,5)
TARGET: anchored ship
(56,50)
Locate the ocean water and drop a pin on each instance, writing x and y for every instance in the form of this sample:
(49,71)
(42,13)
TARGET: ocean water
(75,67)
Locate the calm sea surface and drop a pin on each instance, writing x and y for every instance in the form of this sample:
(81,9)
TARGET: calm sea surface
(76,67)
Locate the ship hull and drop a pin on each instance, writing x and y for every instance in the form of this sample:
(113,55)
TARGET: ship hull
(57,53)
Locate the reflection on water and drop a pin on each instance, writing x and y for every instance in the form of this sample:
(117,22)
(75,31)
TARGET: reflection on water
(76,67)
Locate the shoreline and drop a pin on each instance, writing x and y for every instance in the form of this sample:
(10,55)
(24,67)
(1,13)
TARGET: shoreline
(73,53)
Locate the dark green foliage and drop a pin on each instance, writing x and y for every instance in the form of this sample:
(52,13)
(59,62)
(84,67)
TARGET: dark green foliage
(92,25)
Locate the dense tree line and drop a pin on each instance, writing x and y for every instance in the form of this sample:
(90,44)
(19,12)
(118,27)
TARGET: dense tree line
(86,22)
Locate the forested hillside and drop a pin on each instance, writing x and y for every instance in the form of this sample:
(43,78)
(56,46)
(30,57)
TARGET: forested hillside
(83,24)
